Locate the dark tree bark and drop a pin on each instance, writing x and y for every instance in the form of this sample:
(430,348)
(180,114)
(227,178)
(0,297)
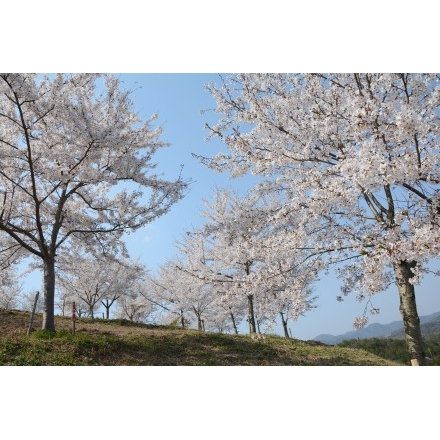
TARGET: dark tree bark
(200,325)
(107,303)
(252,325)
(233,323)
(408,309)
(49,294)
(284,322)
(182,320)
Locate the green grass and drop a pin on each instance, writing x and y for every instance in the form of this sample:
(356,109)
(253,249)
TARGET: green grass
(171,348)
(395,349)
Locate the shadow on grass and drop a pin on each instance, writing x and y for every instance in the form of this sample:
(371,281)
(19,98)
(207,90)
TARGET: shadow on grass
(186,348)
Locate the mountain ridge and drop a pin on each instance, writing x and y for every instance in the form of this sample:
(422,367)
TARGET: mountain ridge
(430,324)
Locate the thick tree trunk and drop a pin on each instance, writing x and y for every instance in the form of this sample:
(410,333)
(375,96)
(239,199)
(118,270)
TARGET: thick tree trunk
(408,309)
(49,295)
(284,322)
(252,326)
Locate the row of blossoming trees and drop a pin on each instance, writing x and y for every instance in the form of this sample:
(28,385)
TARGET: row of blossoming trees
(76,173)
(350,164)
(349,178)
(235,268)
(350,174)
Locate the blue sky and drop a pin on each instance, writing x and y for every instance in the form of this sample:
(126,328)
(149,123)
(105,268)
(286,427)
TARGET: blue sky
(178,100)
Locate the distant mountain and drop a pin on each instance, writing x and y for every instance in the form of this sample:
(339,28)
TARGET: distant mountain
(430,324)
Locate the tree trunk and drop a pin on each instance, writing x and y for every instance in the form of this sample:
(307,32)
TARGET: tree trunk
(49,295)
(107,303)
(408,309)
(233,323)
(284,322)
(253,327)
(107,308)
(199,319)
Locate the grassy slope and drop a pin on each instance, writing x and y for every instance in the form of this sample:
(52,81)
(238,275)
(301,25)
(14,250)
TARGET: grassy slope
(99,342)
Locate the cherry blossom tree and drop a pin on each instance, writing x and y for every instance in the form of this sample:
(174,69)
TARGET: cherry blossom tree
(356,157)
(191,301)
(134,305)
(240,255)
(168,290)
(124,277)
(75,165)
(64,300)
(99,281)
(87,280)
(10,288)
(224,314)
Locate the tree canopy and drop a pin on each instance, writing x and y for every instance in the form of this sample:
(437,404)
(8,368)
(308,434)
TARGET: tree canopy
(356,158)
(76,166)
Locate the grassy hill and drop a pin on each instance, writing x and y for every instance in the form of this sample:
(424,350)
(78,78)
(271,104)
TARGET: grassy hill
(120,342)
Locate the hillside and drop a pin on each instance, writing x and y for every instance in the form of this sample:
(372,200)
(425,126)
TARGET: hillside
(430,326)
(429,329)
(116,342)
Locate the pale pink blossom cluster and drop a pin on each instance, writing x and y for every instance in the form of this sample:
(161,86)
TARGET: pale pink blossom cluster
(239,255)
(356,157)
(72,150)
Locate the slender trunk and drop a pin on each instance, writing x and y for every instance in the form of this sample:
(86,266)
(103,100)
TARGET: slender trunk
(107,308)
(284,322)
(182,320)
(233,323)
(253,327)
(49,295)
(107,303)
(199,319)
(408,309)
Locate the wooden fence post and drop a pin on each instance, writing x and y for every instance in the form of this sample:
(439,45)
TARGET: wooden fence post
(31,322)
